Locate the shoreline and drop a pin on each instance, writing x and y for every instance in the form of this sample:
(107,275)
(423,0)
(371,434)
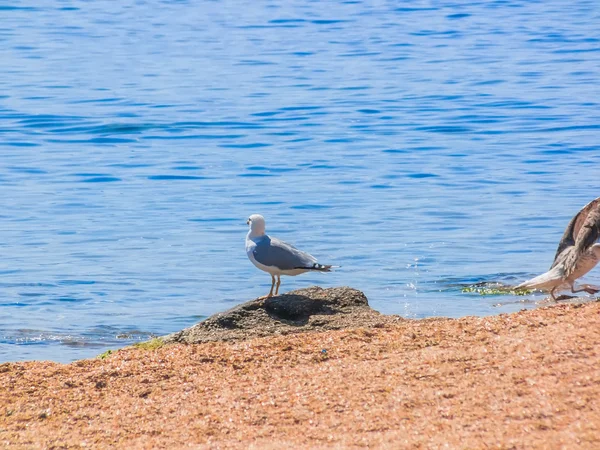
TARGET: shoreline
(527,379)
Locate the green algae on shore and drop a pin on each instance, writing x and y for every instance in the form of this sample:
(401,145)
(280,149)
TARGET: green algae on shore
(152,344)
(497,290)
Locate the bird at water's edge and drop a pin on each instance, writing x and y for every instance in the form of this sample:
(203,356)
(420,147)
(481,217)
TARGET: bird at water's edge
(277,257)
(578,252)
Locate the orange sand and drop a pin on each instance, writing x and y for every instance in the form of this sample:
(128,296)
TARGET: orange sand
(525,380)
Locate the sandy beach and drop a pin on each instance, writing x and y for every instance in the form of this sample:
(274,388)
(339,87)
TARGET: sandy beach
(524,380)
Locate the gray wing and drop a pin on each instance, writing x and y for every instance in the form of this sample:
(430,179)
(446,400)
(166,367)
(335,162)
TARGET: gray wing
(581,233)
(570,234)
(273,252)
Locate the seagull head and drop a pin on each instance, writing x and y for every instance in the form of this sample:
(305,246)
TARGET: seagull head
(257,224)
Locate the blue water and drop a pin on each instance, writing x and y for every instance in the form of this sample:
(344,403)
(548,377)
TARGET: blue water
(422,145)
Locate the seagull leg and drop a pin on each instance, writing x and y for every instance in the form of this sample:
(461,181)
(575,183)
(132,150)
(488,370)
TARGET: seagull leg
(587,288)
(591,286)
(278,283)
(270,294)
(552,293)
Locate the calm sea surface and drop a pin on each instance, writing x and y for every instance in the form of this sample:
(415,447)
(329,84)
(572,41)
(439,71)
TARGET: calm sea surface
(422,145)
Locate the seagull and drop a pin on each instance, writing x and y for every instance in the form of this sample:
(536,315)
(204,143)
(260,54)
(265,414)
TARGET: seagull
(277,257)
(578,252)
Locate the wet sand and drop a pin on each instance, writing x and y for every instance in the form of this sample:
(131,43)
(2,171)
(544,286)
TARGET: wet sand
(524,380)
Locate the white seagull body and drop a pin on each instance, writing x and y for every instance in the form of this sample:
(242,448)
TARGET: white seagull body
(577,254)
(277,257)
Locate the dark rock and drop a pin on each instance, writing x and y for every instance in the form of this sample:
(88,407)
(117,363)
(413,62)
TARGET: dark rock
(311,309)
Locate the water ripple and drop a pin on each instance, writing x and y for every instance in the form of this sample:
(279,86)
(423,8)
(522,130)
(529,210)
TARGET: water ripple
(422,147)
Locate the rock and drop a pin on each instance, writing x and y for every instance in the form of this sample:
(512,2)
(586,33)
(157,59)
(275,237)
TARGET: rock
(310,309)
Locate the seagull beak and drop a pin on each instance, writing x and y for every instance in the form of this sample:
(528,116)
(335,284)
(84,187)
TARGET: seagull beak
(247,222)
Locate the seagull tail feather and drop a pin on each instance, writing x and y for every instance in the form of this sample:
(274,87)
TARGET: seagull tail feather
(544,281)
(320,267)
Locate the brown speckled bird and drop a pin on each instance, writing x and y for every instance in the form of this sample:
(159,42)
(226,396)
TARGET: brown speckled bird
(578,252)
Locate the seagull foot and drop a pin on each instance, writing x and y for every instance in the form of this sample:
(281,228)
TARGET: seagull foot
(590,289)
(564,297)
